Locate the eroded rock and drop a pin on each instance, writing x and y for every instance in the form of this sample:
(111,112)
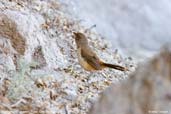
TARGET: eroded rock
(8,29)
(57,83)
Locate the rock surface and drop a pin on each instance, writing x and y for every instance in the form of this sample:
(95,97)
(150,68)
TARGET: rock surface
(39,71)
(148,91)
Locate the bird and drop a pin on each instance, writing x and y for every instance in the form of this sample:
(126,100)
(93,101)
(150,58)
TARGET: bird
(88,59)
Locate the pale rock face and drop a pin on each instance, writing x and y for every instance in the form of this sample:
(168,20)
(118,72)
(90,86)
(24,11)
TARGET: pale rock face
(29,26)
(147,91)
(6,51)
(39,68)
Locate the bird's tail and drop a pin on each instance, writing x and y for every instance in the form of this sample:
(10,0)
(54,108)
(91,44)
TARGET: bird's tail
(117,67)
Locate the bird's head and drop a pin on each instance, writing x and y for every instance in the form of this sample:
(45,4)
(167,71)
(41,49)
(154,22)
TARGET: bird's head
(80,39)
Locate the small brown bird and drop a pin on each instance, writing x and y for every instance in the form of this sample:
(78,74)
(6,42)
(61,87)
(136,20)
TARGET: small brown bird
(88,59)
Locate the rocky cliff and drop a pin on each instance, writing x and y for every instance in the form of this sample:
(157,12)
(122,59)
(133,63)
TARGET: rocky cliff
(39,70)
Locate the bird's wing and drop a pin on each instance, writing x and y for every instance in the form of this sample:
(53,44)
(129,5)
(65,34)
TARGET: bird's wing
(91,58)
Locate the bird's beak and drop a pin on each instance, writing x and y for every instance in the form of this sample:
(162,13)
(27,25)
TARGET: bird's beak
(74,35)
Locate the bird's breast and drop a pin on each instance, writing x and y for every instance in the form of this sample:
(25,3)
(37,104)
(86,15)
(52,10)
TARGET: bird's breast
(83,62)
